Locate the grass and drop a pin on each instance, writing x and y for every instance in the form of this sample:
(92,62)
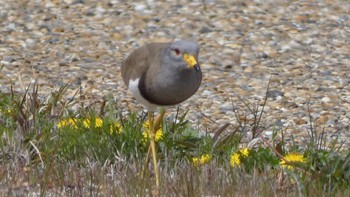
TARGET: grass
(52,146)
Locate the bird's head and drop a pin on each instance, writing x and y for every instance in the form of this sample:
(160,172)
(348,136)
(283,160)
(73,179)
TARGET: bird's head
(185,54)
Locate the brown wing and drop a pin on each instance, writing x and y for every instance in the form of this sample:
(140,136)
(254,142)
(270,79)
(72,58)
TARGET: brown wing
(140,60)
(135,64)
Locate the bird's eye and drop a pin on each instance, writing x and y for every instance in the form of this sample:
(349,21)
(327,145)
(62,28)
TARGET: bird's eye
(177,52)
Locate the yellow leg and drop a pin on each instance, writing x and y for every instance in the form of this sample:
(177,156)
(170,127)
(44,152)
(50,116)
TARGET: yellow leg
(153,147)
(154,126)
(150,120)
(145,166)
(159,120)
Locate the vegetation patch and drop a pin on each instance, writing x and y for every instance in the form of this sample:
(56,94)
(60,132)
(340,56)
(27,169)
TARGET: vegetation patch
(53,146)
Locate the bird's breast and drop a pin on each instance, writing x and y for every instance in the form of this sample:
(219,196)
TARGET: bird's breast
(170,89)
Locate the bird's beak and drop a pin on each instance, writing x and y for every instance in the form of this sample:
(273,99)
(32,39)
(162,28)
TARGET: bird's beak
(191,61)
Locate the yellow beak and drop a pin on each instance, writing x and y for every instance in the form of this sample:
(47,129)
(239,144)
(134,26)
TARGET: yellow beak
(190,60)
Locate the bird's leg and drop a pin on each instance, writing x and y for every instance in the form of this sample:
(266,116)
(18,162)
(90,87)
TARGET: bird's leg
(158,121)
(152,133)
(156,126)
(145,166)
(150,119)
(153,128)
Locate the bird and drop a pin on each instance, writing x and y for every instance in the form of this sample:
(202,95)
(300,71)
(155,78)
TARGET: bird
(162,74)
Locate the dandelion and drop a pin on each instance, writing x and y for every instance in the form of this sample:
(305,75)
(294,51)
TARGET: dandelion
(157,137)
(98,122)
(236,157)
(6,112)
(291,158)
(204,159)
(116,127)
(159,133)
(67,122)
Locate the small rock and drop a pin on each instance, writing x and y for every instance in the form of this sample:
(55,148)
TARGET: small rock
(140,7)
(299,121)
(321,120)
(274,93)
(204,30)
(325,99)
(63,64)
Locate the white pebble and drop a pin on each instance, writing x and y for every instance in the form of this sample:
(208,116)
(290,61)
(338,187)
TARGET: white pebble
(140,7)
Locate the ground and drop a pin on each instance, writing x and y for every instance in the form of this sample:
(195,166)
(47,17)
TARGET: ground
(301,47)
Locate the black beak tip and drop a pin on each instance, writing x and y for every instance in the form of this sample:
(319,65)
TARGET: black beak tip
(196,67)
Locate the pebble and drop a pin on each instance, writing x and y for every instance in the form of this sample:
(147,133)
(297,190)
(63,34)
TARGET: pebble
(140,7)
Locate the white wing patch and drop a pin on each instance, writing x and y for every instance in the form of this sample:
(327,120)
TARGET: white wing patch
(134,88)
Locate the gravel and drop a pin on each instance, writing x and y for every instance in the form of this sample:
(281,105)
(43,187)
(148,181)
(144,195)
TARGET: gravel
(301,47)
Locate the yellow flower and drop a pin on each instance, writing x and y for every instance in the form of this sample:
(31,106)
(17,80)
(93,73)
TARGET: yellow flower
(291,158)
(235,159)
(117,127)
(159,135)
(6,112)
(204,159)
(98,122)
(159,132)
(71,122)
